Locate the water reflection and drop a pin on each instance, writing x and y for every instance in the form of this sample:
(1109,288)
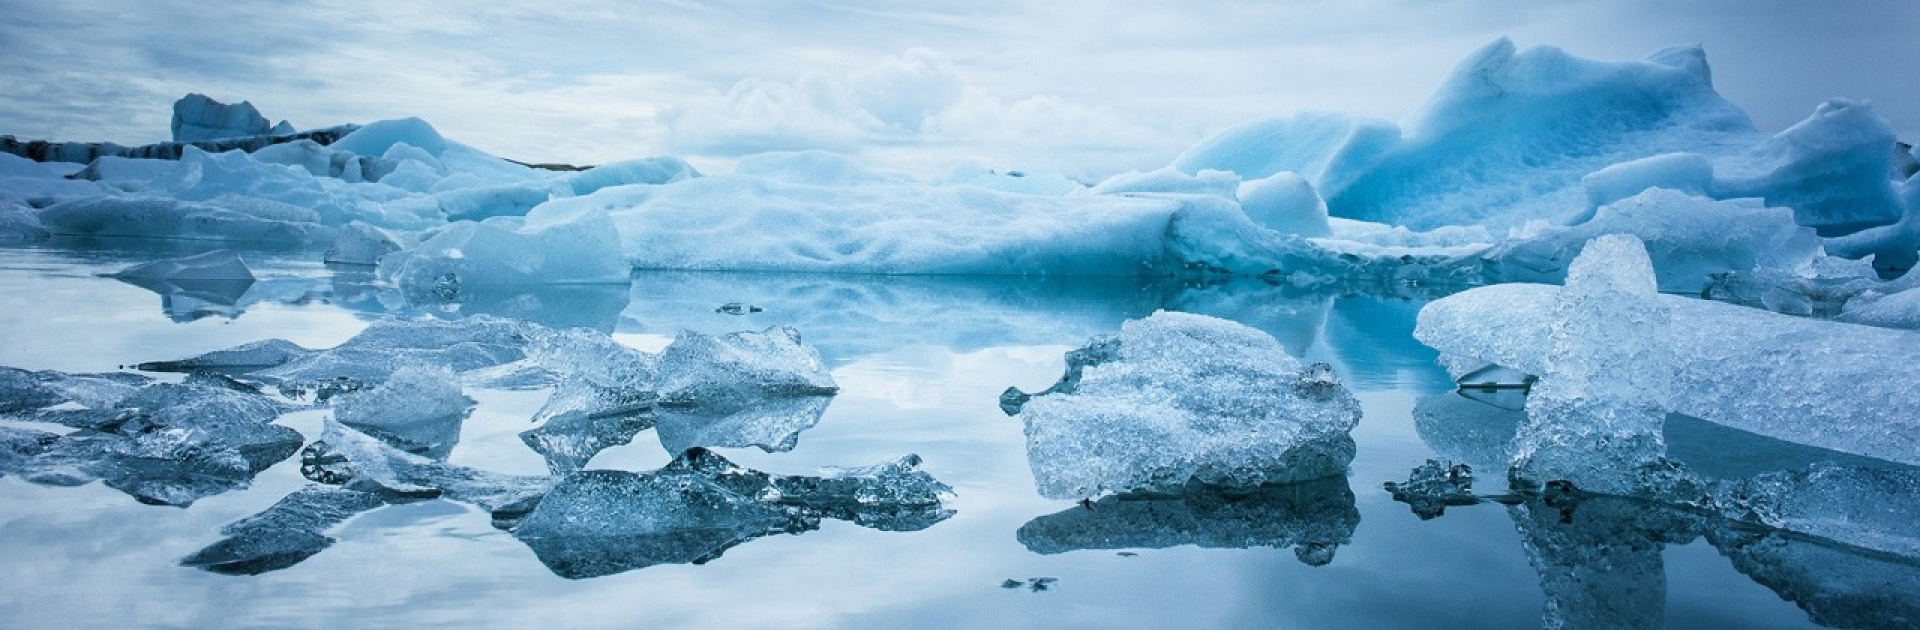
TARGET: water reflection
(1313,517)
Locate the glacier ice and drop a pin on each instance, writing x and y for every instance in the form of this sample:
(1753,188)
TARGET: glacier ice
(1814,382)
(1690,173)
(344,456)
(367,358)
(651,170)
(197,117)
(359,243)
(1189,399)
(126,173)
(1220,184)
(161,217)
(1313,517)
(1510,134)
(418,409)
(1285,203)
(374,139)
(601,522)
(1326,149)
(1830,168)
(480,257)
(817,168)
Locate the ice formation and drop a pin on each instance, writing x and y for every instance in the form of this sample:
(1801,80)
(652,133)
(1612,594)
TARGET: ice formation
(1285,203)
(1188,399)
(374,139)
(601,522)
(196,117)
(367,358)
(1326,149)
(361,244)
(652,170)
(162,443)
(126,173)
(346,457)
(1510,134)
(1313,517)
(1802,380)
(1220,184)
(1595,416)
(469,257)
(419,410)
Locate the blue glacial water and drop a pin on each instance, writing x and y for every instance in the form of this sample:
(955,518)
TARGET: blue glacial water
(921,363)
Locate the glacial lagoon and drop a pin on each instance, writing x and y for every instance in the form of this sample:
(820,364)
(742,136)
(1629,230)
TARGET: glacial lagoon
(921,363)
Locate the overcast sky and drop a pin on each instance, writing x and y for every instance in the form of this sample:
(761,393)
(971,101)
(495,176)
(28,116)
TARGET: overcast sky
(1076,86)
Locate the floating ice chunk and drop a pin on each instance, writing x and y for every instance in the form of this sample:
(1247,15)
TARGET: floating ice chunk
(497,200)
(367,358)
(652,170)
(216,265)
(1830,168)
(285,534)
(743,389)
(1595,416)
(376,138)
(418,410)
(604,396)
(470,257)
(1326,149)
(1510,134)
(1285,203)
(1023,182)
(601,522)
(1434,485)
(1689,238)
(215,177)
(568,440)
(164,444)
(1220,184)
(1870,508)
(1189,399)
(346,457)
(196,117)
(22,390)
(815,167)
(362,244)
(699,369)
(1813,382)
(1313,517)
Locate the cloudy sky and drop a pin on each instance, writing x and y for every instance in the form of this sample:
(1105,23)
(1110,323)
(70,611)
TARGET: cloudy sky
(1077,86)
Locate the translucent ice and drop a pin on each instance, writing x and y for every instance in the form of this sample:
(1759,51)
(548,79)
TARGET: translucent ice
(601,522)
(347,457)
(742,389)
(419,410)
(1830,168)
(1809,381)
(369,357)
(471,257)
(359,243)
(1189,399)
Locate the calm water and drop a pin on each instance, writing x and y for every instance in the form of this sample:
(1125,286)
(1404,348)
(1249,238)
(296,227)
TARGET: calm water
(921,362)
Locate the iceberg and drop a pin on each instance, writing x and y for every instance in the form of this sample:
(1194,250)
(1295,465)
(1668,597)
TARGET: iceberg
(374,139)
(1326,149)
(359,243)
(1509,135)
(1188,399)
(652,170)
(125,173)
(1815,382)
(1285,203)
(483,257)
(367,358)
(197,117)
(1830,168)
(160,217)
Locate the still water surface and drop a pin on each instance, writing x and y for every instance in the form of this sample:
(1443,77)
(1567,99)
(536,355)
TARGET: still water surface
(921,363)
